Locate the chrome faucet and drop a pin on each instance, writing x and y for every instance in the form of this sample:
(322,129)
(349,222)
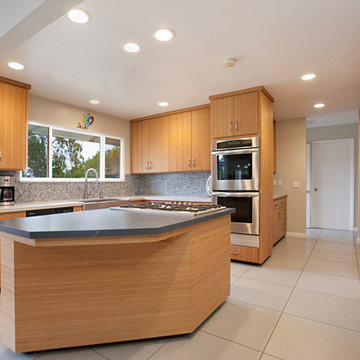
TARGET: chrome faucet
(86,182)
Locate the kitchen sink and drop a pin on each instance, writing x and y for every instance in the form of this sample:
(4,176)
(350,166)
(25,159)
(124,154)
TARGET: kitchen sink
(94,204)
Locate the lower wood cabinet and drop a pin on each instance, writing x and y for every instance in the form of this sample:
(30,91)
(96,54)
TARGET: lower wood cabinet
(280,218)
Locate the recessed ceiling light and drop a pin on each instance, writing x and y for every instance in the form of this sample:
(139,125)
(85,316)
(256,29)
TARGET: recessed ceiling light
(308,77)
(163,103)
(131,47)
(163,34)
(319,106)
(16,65)
(79,16)
(94,101)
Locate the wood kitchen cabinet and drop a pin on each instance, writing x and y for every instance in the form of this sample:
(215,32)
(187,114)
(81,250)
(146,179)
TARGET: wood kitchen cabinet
(235,115)
(173,142)
(280,218)
(13,124)
(149,143)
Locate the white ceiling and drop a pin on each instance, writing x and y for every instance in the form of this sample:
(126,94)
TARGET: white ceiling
(275,41)
(333,119)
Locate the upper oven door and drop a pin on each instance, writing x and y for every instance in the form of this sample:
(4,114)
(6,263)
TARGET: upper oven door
(235,170)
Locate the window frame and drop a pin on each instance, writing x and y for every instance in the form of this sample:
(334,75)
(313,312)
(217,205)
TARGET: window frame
(102,156)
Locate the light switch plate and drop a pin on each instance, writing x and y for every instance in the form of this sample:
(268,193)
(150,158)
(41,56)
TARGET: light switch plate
(274,182)
(296,184)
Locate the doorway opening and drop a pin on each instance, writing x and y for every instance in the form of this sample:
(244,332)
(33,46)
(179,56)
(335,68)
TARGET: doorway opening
(332,175)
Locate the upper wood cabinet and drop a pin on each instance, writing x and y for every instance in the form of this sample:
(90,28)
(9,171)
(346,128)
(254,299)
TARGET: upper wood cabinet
(13,124)
(149,145)
(235,114)
(178,141)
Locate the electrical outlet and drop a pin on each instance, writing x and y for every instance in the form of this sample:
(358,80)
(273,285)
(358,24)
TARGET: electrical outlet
(280,182)
(296,184)
(274,182)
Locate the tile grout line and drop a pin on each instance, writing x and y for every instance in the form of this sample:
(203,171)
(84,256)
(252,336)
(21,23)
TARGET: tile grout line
(158,349)
(102,355)
(232,341)
(282,312)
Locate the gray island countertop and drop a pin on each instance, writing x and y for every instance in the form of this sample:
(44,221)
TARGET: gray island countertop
(106,222)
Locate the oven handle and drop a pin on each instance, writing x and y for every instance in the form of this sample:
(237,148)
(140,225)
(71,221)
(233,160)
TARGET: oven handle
(223,194)
(238,151)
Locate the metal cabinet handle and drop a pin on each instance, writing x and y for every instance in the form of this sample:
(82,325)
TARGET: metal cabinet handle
(150,165)
(236,126)
(189,165)
(193,162)
(146,165)
(0,155)
(234,253)
(231,126)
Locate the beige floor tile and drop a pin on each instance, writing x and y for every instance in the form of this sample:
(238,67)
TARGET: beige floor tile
(332,268)
(313,233)
(298,242)
(244,324)
(271,296)
(274,275)
(345,257)
(333,310)
(7,354)
(295,338)
(285,261)
(134,350)
(237,268)
(334,246)
(71,354)
(233,278)
(268,357)
(337,236)
(285,249)
(329,284)
(203,346)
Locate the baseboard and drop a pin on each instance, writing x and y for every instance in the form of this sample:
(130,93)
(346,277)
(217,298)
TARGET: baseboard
(296,234)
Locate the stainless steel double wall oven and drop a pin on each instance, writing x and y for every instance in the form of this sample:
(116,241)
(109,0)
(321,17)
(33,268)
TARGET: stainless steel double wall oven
(236,184)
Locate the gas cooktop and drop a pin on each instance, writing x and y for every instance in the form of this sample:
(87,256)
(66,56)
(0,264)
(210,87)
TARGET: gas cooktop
(172,207)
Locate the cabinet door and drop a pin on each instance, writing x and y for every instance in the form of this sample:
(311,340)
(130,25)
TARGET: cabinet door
(180,142)
(246,114)
(139,147)
(158,144)
(276,222)
(200,133)
(13,127)
(222,117)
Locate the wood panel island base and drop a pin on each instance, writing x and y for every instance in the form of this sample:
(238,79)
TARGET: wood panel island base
(115,288)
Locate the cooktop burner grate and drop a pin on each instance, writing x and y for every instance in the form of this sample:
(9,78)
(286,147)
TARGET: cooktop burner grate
(175,207)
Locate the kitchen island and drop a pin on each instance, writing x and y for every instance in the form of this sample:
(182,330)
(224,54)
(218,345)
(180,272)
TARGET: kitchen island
(107,276)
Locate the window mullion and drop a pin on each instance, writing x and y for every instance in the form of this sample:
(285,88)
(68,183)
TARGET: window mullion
(50,152)
(102,157)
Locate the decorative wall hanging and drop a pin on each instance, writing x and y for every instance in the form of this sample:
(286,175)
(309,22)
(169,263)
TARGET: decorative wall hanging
(87,121)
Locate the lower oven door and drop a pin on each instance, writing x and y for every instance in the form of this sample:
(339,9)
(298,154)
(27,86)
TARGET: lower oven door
(245,220)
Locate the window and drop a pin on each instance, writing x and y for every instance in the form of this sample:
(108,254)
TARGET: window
(55,153)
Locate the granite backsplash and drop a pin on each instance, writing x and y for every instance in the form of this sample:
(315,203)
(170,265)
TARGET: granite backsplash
(185,183)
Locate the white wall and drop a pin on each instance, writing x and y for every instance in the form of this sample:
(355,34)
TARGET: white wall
(58,114)
(291,166)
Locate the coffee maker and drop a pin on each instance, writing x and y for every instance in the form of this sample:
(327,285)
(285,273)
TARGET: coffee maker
(7,190)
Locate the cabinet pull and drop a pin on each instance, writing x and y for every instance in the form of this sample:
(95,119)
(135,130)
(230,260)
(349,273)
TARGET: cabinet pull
(150,165)
(146,165)
(231,126)
(236,126)
(0,155)
(189,165)
(193,162)
(234,253)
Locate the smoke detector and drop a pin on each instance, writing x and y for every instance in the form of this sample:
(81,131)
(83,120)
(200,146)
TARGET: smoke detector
(230,62)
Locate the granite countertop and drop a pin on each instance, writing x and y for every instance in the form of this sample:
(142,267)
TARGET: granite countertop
(106,222)
(279,196)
